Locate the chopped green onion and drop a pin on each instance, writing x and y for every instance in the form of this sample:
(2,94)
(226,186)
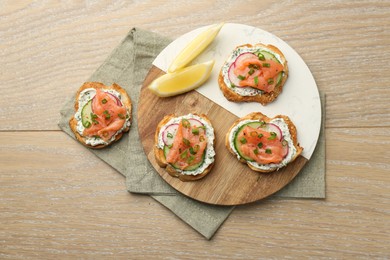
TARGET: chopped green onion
(261,56)
(185,123)
(251,71)
(93,117)
(260,135)
(87,124)
(104,101)
(121,116)
(186,141)
(241,77)
(268,151)
(273,136)
(106,114)
(243,140)
(260,145)
(256,79)
(270,81)
(262,123)
(267,65)
(195,131)
(169,135)
(194,150)
(201,138)
(232,85)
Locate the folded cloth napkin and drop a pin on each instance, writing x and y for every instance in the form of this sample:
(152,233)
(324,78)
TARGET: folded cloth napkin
(128,66)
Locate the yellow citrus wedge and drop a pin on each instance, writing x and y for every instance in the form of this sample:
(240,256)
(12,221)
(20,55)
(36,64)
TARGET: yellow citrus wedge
(183,80)
(195,47)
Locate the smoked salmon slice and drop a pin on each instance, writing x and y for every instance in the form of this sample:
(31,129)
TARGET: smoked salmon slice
(108,116)
(188,145)
(255,73)
(261,146)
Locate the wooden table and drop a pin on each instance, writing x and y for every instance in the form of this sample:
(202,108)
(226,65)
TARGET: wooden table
(57,200)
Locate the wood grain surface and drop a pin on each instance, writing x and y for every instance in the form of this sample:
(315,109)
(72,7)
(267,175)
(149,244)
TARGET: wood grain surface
(57,200)
(230,182)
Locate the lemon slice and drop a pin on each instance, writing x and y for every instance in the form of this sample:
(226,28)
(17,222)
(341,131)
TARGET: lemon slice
(195,47)
(183,80)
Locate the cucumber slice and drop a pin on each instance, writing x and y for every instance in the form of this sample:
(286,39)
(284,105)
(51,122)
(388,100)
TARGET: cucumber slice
(189,168)
(237,142)
(269,56)
(86,114)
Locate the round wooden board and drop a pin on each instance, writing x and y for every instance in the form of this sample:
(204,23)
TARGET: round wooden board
(229,182)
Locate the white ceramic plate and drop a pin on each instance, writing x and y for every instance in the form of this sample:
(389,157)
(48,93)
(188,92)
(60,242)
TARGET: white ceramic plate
(299,100)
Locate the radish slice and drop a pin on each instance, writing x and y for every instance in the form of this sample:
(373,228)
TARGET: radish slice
(195,122)
(169,133)
(273,128)
(232,77)
(245,56)
(115,98)
(285,148)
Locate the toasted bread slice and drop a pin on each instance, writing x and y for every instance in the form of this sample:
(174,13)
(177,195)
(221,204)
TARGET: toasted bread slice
(261,97)
(261,117)
(125,100)
(160,157)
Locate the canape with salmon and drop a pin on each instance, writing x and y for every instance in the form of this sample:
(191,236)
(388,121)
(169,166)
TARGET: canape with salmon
(253,73)
(102,114)
(184,146)
(264,144)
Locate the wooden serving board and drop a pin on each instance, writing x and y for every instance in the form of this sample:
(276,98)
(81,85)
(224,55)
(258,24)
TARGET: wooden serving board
(229,182)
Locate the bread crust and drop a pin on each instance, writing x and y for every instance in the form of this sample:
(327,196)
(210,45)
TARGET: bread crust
(260,116)
(264,98)
(125,99)
(160,157)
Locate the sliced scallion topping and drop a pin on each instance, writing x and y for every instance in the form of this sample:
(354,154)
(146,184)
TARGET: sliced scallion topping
(261,56)
(87,124)
(256,79)
(268,151)
(243,140)
(195,131)
(251,71)
(169,135)
(260,145)
(104,101)
(273,136)
(241,77)
(267,65)
(270,81)
(185,123)
(186,141)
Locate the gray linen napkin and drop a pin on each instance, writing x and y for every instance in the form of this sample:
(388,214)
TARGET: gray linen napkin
(128,66)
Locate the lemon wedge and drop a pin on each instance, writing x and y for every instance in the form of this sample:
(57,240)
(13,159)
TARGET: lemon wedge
(182,80)
(195,47)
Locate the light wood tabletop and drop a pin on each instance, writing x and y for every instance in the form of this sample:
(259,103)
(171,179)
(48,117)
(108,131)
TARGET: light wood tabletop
(58,200)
